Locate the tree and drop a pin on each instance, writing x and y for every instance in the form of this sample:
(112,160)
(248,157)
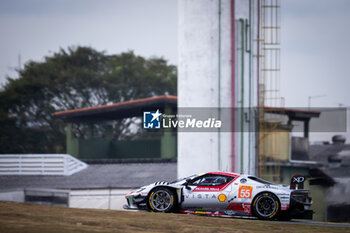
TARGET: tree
(74,78)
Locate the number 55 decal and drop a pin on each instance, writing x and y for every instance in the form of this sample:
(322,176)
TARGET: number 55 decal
(245,191)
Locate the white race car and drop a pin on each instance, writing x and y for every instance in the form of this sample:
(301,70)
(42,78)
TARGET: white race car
(225,193)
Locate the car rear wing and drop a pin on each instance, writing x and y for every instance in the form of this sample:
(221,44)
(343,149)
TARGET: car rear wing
(297,182)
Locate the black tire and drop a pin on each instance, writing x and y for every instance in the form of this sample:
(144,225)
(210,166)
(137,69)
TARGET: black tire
(162,200)
(266,206)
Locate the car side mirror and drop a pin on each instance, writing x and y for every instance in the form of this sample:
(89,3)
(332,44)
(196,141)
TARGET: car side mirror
(187,183)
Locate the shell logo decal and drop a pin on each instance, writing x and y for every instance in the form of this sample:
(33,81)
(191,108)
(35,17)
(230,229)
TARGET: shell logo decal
(222,197)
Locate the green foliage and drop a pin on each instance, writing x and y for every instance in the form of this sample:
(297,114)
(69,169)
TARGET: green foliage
(74,78)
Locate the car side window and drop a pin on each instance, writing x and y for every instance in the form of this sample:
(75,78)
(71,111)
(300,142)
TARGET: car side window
(211,180)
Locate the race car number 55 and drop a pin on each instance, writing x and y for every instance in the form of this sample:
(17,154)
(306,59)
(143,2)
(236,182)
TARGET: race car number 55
(245,191)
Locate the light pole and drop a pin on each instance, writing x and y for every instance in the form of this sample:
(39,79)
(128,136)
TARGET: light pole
(313,97)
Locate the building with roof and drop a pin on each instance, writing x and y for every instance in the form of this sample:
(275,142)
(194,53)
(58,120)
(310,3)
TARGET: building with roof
(114,166)
(91,145)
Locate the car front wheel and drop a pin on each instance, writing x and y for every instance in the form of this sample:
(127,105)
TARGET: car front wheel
(162,200)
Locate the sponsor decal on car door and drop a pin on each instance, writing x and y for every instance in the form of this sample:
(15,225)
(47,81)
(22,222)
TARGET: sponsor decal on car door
(201,197)
(207,196)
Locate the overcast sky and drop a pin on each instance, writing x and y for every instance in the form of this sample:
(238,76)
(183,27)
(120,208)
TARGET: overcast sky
(36,28)
(314,50)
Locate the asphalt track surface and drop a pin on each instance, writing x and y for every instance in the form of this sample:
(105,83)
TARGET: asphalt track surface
(297,222)
(328,224)
(307,222)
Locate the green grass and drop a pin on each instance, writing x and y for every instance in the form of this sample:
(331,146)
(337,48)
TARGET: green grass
(19,217)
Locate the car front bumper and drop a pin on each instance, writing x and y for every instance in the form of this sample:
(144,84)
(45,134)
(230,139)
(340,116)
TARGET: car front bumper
(136,202)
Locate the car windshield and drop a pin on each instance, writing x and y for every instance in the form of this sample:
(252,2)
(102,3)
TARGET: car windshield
(212,180)
(181,179)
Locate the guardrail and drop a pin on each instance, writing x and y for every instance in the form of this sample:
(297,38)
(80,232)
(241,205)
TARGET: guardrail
(40,164)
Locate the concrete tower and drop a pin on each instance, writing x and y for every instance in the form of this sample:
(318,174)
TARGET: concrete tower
(217,68)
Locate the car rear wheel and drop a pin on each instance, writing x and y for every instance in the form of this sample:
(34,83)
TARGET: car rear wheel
(265,206)
(162,200)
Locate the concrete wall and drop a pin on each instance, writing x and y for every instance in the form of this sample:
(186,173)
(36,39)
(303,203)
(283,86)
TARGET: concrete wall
(89,198)
(98,198)
(204,80)
(12,195)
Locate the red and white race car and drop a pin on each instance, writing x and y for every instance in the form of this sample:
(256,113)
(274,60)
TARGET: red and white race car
(225,193)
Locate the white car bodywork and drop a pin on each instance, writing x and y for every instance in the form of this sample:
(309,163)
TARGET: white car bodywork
(228,193)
